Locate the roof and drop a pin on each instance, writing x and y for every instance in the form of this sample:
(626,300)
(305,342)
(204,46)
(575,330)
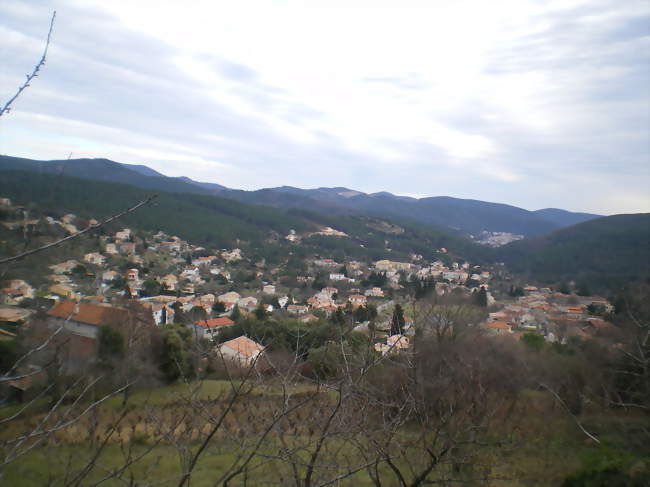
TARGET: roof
(501,325)
(214,323)
(244,346)
(91,314)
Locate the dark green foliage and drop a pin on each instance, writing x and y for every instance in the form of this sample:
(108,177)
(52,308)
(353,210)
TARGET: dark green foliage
(235,314)
(260,313)
(8,354)
(480,298)
(151,287)
(533,341)
(605,253)
(110,344)
(176,354)
(516,291)
(397,322)
(375,279)
(365,313)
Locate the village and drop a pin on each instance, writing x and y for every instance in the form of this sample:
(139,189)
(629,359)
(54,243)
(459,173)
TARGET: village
(209,290)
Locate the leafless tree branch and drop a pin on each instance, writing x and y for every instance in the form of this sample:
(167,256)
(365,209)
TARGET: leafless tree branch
(7,107)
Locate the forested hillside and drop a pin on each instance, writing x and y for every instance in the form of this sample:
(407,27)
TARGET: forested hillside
(605,252)
(220,223)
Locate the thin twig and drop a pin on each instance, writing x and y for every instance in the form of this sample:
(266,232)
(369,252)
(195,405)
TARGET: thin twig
(7,107)
(77,234)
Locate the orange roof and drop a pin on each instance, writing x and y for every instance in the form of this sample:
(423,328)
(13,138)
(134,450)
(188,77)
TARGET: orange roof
(501,325)
(91,314)
(215,323)
(244,346)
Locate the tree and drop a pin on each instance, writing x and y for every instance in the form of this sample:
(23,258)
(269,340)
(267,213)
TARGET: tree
(480,298)
(110,343)
(397,322)
(533,341)
(235,314)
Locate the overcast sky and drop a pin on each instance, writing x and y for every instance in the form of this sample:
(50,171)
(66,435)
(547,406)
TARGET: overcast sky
(535,104)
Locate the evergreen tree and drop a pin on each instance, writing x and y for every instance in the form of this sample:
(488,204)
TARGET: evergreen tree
(480,298)
(397,322)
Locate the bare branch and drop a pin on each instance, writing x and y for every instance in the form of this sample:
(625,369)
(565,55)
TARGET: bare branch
(7,107)
(77,234)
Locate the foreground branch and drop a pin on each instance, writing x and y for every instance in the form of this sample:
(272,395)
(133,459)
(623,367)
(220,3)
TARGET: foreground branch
(7,107)
(77,234)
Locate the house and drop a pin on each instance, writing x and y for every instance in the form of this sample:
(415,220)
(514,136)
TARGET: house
(209,328)
(111,249)
(132,275)
(375,292)
(127,248)
(204,261)
(308,318)
(357,300)
(62,290)
(83,319)
(297,309)
(398,342)
(268,289)
(64,267)
(499,327)
(329,292)
(337,277)
(16,290)
(69,218)
(109,276)
(14,316)
(169,282)
(247,304)
(162,313)
(232,256)
(326,263)
(229,298)
(95,258)
(283,300)
(123,235)
(242,350)
(82,323)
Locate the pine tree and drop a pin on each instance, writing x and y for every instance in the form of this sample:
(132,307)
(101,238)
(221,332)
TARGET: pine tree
(397,322)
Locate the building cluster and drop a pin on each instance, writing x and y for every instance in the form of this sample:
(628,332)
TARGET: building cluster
(554,315)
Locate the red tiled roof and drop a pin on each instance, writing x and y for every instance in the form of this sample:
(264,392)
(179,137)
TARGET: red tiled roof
(214,323)
(91,314)
(501,325)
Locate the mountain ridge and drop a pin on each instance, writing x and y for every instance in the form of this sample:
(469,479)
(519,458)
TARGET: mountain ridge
(469,216)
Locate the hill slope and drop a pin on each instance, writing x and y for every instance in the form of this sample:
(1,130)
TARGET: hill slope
(219,223)
(464,215)
(605,251)
(564,218)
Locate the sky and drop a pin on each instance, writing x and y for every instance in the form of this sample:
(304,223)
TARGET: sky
(531,103)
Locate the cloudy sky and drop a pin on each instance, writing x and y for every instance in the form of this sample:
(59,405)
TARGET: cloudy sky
(536,104)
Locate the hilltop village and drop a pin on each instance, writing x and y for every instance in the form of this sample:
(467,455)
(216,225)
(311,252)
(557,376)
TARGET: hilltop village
(208,290)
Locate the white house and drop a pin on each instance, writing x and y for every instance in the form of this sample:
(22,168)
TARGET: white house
(242,350)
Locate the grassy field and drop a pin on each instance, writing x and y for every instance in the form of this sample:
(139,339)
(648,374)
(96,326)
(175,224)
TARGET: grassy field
(163,428)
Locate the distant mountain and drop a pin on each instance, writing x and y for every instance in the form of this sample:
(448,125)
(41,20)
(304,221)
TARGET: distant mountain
(219,223)
(604,251)
(462,215)
(564,218)
(214,187)
(101,170)
(144,170)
